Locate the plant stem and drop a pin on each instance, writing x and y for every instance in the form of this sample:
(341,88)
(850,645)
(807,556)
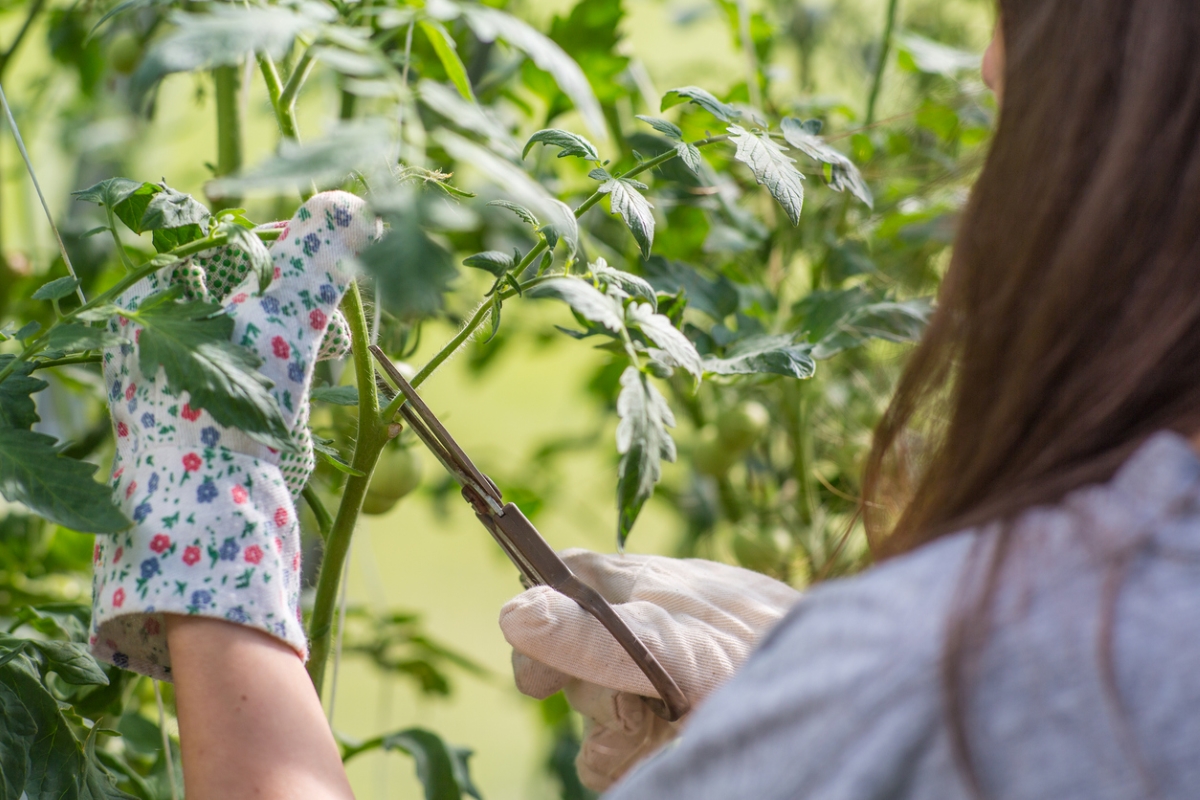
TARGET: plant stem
(885,49)
(287,98)
(372,436)
(228,80)
(324,521)
(67,361)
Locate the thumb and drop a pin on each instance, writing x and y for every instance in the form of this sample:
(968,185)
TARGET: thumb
(553,629)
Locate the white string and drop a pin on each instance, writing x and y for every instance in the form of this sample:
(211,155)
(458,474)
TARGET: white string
(166,737)
(337,648)
(33,176)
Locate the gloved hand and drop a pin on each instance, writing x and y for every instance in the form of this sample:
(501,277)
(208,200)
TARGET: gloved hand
(701,620)
(215,530)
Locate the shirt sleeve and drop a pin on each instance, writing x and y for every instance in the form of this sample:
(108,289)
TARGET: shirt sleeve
(842,699)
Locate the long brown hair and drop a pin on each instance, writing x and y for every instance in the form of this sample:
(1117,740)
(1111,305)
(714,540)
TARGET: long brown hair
(1068,326)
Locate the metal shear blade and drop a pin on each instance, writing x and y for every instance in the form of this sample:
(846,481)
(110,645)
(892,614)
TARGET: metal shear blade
(525,547)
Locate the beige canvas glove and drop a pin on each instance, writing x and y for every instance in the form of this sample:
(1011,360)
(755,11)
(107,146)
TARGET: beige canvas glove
(701,620)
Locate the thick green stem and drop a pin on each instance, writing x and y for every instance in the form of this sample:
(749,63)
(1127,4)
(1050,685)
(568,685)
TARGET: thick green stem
(67,361)
(228,81)
(287,98)
(885,49)
(324,521)
(372,436)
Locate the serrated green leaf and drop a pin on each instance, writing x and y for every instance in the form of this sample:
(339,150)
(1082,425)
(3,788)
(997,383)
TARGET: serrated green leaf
(17,732)
(521,211)
(223,36)
(891,321)
(572,144)
(58,488)
(28,330)
(131,208)
(56,289)
(336,395)
(71,661)
(659,330)
(109,192)
(643,442)
(71,337)
(489,24)
(702,98)
(17,408)
(98,313)
(56,759)
(632,285)
(772,168)
(447,52)
(845,175)
(668,129)
(492,261)
(190,341)
(172,209)
(626,200)
(98,782)
(689,154)
(517,183)
(774,355)
(584,299)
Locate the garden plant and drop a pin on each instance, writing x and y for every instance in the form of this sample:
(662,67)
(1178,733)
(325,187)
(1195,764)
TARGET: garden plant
(749,259)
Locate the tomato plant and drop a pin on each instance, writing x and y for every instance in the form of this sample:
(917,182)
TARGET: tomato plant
(757,253)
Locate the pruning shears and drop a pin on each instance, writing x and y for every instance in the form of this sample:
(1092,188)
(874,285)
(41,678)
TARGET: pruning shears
(533,557)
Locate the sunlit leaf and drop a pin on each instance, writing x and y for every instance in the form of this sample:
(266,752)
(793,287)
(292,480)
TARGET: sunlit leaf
(659,330)
(634,208)
(468,116)
(668,129)
(572,144)
(492,261)
(772,168)
(845,177)
(702,98)
(775,355)
(891,321)
(584,299)
(447,53)
(643,442)
(926,55)
(632,285)
(521,211)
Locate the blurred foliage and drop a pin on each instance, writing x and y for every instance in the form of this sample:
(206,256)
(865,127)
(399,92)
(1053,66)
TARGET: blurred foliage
(768,247)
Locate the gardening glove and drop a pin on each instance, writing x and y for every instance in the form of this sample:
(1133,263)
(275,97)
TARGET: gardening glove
(701,620)
(215,530)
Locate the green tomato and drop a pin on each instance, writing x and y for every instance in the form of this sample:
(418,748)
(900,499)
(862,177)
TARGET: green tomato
(125,51)
(396,475)
(710,456)
(762,552)
(743,425)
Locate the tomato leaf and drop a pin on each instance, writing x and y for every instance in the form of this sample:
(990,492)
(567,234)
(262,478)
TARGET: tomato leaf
(668,129)
(71,336)
(777,355)
(190,341)
(447,53)
(584,299)
(17,408)
(659,330)
(632,285)
(626,200)
(58,488)
(892,321)
(772,168)
(702,98)
(56,289)
(643,442)
(492,261)
(572,144)
(845,175)
(413,271)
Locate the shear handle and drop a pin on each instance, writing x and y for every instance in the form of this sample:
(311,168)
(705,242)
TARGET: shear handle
(554,572)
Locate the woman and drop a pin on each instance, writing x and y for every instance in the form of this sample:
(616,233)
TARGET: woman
(1030,633)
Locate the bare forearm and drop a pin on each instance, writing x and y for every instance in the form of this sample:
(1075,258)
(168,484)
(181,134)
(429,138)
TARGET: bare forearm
(250,724)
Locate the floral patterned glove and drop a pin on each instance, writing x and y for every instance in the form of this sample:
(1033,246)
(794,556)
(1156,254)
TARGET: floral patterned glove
(215,530)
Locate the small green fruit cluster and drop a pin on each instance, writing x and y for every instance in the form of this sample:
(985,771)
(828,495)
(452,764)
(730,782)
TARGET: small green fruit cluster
(397,473)
(737,430)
